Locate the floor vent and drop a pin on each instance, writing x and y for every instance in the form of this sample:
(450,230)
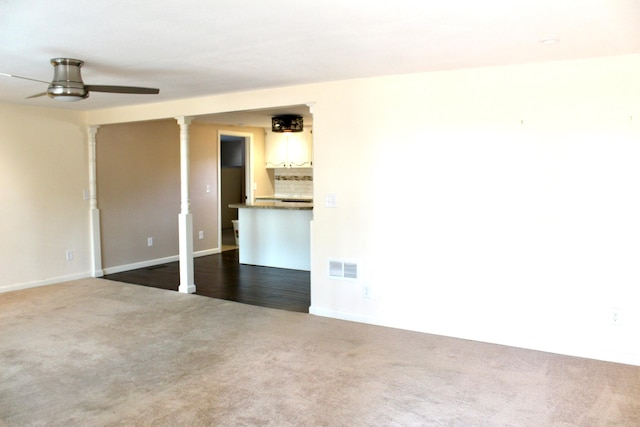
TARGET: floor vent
(343,270)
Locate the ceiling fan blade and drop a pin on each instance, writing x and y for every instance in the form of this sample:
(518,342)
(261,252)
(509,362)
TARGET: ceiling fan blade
(23,78)
(37,95)
(122,89)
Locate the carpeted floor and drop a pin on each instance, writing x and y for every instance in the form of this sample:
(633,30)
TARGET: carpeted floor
(96,352)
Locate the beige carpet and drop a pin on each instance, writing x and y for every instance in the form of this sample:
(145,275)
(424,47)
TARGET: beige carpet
(94,352)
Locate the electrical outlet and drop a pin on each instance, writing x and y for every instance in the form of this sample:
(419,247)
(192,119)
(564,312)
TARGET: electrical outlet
(366,292)
(149,241)
(369,292)
(200,234)
(616,316)
(69,255)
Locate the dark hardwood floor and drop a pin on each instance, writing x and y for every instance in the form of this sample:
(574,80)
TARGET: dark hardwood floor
(222,276)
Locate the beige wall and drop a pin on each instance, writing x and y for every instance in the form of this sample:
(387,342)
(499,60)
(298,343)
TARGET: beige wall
(43,172)
(517,186)
(138,174)
(203,153)
(138,167)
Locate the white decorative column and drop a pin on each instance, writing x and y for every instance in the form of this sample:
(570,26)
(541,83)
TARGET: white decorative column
(94,213)
(185,222)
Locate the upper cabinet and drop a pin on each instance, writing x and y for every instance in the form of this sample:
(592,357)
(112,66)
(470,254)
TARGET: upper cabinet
(289,150)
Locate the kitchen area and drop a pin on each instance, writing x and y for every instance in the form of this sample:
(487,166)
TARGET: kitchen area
(274,229)
(232,155)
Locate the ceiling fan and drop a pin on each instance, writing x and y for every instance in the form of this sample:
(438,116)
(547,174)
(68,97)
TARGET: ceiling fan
(67,84)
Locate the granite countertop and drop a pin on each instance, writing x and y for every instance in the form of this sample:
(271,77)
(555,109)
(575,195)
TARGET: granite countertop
(273,205)
(276,198)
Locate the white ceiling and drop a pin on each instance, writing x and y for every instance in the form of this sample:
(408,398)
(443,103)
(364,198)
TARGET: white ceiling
(202,47)
(258,118)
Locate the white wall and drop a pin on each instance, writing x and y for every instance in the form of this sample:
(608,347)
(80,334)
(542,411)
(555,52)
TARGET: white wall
(519,190)
(43,172)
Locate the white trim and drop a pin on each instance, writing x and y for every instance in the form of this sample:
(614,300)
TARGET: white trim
(95,242)
(206,252)
(248,159)
(185,243)
(46,282)
(157,261)
(341,315)
(95,239)
(141,264)
(109,270)
(185,218)
(248,165)
(595,354)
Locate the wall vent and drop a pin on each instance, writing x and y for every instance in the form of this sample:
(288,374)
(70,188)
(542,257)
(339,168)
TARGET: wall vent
(343,270)
(350,270)
(335,268)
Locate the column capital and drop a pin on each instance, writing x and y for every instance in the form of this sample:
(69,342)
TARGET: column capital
(93,130)
(184,120)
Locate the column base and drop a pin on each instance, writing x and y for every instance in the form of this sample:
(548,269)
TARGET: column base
(185,236)
(187,289)
(96,243)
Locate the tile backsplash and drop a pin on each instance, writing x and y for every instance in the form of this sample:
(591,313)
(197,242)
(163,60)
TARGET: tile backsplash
(294,182)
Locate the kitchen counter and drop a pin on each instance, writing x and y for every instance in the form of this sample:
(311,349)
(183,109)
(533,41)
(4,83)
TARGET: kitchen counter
(274,205)
(275,234)
(275,198)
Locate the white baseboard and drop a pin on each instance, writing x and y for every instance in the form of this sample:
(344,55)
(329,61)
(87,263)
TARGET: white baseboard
(601,354)
(38,283)
(137,265)
(109,270)
(207,252)
(323,312)
(157,261)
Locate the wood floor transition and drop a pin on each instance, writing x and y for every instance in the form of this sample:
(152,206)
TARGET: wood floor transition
(222,276)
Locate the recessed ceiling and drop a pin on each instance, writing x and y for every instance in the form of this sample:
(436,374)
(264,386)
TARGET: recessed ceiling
(257,118)
(195,48)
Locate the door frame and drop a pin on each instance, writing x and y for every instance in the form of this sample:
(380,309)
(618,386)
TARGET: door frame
(248,169)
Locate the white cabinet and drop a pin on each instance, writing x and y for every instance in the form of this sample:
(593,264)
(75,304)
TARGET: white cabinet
(289,150)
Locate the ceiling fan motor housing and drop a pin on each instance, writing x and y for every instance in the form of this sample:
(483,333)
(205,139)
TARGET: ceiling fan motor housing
(67,84)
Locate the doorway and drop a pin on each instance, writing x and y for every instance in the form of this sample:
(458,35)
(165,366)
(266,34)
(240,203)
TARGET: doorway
(234,169)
